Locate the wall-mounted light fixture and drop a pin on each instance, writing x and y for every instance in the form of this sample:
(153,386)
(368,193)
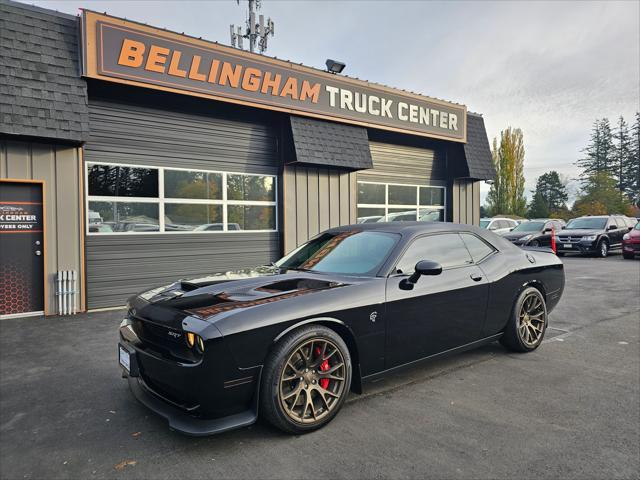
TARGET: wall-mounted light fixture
(334,66)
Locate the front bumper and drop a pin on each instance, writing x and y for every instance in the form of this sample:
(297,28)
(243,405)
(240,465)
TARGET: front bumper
(181,421)
(583,247)
(204,397)
(631,247)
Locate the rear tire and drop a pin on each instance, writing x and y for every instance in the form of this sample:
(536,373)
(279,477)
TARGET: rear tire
(528,322)
(305,380)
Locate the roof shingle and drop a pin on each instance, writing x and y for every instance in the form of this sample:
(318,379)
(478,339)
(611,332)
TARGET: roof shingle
(43,94)
(331,144)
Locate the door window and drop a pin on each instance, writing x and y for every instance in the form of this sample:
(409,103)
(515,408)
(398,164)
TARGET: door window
(447,249)
(478,249)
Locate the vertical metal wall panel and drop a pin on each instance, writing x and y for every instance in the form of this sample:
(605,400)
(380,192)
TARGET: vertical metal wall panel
(142,134)
(466,201)
(316,199)
(58,167)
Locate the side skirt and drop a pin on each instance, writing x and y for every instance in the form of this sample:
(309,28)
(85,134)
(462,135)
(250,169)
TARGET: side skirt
(446,353)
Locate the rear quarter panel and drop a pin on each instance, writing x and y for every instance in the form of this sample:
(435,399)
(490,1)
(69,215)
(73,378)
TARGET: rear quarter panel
(509,272)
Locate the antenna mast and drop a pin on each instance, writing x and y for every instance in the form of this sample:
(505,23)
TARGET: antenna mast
(256,33)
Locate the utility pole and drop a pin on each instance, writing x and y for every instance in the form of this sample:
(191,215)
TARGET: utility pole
(256,33)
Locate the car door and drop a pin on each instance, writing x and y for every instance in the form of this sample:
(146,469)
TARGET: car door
(440,312)
(614,232)
(545,236)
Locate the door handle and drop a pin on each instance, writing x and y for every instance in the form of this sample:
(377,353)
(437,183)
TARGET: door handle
(476,277)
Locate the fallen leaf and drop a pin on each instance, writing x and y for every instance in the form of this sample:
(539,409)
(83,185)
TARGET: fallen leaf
(123,464)
(136,434)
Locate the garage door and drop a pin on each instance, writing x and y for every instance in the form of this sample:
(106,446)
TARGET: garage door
(405,184)
(174,194)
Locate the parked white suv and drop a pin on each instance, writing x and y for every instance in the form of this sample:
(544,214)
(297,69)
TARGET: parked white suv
(498,225)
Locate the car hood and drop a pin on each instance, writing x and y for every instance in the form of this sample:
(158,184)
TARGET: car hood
(578,232)
(224,294)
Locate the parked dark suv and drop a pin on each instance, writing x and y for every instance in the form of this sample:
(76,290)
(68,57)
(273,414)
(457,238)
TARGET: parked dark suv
(535,232)
(593,235)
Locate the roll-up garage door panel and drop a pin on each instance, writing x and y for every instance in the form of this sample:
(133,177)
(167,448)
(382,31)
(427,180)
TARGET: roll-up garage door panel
(403,164)
(134,134)
(121,265)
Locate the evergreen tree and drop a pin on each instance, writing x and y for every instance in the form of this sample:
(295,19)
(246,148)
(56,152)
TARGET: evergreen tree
(549,197)
(621,156)
(506,195)
(632,165)
(599,153)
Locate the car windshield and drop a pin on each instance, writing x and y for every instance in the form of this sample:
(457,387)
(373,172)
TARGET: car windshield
(637,227)
(587,224)
(484,223)
(349,252)
(529,227)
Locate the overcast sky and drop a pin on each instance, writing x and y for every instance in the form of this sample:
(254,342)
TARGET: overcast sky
(550,68)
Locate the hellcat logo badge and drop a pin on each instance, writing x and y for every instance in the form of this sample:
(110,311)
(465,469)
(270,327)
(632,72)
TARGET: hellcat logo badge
(373,316)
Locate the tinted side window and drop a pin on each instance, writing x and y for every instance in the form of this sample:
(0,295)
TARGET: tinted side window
(477,248)
(447,249)
(113,180)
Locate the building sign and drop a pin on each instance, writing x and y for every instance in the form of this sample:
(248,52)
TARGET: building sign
(18,217)
(126,52)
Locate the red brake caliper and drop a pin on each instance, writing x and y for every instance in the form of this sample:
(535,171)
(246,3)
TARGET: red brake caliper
(324,366)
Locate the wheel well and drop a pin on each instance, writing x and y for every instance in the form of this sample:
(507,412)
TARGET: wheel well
(538,286)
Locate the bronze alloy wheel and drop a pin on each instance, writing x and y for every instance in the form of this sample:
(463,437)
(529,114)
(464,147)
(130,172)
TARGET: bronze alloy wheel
(312,381)
(531,319)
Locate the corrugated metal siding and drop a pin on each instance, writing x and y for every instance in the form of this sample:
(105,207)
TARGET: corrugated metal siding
(119,266)
(316,199)
(58,167)
(404,164)
(465,201)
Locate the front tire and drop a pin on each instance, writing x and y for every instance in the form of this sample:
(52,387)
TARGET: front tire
(528,322)
(603,249)
(305,380)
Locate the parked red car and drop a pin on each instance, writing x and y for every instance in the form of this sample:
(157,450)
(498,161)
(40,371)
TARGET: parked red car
(631,242)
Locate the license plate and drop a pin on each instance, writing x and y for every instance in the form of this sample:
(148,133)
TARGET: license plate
(566,245)
(125,359)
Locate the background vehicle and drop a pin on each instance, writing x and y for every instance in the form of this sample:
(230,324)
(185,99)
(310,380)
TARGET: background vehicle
(631,242)
(498,225)
(535,232)
(592,235)
(293,338)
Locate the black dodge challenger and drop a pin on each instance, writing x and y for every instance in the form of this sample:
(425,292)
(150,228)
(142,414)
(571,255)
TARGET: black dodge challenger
(290,340)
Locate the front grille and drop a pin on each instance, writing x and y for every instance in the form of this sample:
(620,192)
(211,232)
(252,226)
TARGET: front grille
(158,338)
(569,239)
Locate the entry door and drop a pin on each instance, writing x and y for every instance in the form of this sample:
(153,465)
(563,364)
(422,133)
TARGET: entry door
(21,248)
(440,312)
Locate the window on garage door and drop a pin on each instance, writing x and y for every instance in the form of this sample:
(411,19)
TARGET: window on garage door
(140,199)
(390,202)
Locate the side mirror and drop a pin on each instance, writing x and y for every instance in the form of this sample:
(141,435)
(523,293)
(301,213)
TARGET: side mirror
(563,227)
(547,230)
(612,227)
(423,267)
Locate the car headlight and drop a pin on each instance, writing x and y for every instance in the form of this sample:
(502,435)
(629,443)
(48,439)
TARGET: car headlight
(589,238)
(626,236)
(194,340)
(526,238)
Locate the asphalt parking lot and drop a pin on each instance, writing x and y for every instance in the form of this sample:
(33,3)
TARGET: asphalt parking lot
(569,410)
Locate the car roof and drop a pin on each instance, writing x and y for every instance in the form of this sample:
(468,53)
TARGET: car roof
(408,227)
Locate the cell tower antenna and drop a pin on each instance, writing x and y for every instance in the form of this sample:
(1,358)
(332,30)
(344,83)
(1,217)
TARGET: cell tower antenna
(256,33)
